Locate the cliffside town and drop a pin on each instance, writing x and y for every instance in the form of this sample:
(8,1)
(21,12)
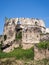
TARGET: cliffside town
(24,32)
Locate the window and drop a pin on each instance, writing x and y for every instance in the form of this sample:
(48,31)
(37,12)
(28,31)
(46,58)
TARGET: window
(36,23)
(37,36)
(5,37)
(13,21)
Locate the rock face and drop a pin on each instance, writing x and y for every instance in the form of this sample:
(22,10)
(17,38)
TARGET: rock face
(40,54)
(30,28)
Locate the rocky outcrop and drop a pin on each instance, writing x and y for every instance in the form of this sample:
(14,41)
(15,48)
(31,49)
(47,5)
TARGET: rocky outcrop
(30,28)
(13,61)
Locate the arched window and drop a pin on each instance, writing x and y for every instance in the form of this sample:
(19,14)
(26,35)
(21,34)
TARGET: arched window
(36,23)
(5,37)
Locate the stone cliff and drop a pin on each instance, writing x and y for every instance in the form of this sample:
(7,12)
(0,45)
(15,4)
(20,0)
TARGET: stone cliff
(24,32)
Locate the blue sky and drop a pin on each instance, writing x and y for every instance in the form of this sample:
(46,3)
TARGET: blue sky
(24,8)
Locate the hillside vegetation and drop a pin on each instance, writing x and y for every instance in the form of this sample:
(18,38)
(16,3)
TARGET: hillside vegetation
(19,53)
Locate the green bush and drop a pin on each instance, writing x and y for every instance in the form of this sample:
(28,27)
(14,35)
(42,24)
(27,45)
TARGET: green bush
(43,45)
